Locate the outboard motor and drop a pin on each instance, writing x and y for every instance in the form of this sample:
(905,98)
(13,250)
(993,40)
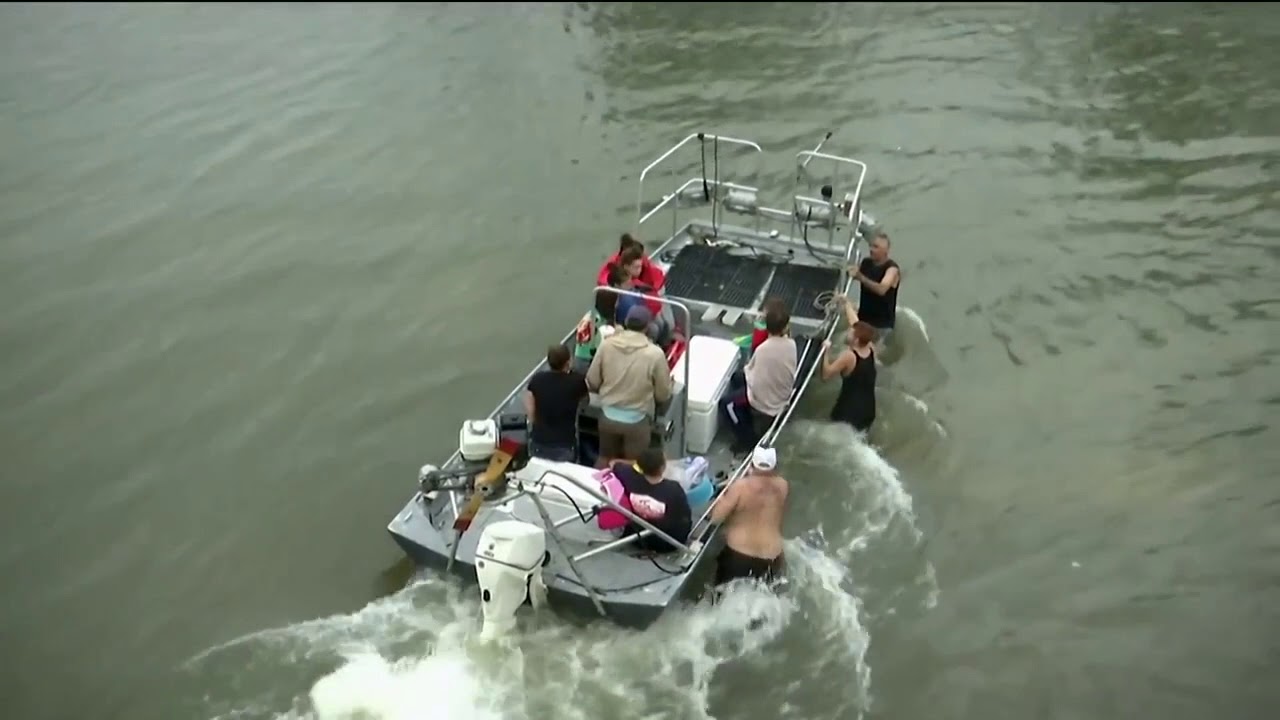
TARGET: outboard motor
(509,561)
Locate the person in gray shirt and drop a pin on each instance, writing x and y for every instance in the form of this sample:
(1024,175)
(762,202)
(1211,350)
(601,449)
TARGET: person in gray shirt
(756,396)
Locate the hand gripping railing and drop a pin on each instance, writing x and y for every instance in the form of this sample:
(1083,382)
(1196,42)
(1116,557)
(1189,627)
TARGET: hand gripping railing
(688,319)
(695,136)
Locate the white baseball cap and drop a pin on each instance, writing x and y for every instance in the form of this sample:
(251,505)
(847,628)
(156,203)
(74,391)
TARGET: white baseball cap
(764,458)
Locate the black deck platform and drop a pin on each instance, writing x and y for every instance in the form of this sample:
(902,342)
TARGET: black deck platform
(714,275)
(798,285)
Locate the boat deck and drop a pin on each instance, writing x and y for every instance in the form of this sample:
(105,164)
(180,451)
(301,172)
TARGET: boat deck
(711,274)
(723,286)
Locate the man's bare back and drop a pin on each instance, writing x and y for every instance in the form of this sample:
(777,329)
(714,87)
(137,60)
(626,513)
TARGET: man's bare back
(750,512)
(754,524)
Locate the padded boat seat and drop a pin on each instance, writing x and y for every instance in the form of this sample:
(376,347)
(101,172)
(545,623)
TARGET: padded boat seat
(563,499)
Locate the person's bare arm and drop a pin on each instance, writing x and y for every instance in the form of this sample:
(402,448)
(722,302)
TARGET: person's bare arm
(850,310)
(530,406)
(882,287)
(832,368)
(725,504)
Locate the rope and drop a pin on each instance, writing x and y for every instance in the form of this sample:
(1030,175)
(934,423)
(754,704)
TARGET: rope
(826,302)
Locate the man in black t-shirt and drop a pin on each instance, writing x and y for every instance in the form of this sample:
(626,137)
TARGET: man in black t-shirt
(879,278)
(551,400)
(660,501)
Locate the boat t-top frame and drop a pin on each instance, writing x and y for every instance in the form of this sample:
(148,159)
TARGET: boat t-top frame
(841,219)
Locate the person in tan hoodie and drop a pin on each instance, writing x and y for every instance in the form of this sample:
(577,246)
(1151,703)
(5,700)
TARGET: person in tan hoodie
(630,374)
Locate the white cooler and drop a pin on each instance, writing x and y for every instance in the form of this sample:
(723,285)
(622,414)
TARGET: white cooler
(711,364)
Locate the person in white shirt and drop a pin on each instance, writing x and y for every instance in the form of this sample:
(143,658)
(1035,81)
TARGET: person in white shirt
(756,396)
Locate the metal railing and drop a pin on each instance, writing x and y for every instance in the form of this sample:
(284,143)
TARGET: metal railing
(679,193)
(700,137)
(597,494)
(851,214)
(688,318)
(552,528)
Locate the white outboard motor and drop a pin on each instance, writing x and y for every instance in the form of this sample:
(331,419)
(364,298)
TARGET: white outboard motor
(509,560)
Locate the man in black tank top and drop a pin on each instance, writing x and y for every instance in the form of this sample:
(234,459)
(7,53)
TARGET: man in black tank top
(879,278)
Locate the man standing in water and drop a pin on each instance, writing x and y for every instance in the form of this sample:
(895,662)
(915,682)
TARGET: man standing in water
(879,277)
(751,513)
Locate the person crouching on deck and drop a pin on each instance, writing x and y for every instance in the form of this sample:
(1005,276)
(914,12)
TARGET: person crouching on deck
(660,501)
(759,394)
(632,378)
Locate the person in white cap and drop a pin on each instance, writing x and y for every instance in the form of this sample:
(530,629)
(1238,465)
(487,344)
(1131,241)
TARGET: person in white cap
(751,511)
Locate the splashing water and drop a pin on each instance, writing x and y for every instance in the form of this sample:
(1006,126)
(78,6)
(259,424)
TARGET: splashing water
(915,320)
(415,655)
(878,497)
(849,479)
(444,685)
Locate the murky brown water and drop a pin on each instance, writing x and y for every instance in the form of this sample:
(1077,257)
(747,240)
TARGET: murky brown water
(257,262)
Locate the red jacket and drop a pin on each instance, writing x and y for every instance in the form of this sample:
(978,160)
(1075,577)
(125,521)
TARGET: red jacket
(650,275)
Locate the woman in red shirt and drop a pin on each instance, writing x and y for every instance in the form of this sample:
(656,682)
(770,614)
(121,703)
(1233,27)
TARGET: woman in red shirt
(650,275)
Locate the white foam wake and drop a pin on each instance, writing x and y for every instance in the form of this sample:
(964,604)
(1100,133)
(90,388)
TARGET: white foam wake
(864,504)
(444,685)
(416,655)
(916,320)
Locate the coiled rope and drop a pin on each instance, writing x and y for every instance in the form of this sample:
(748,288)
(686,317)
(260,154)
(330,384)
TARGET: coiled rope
(827,301)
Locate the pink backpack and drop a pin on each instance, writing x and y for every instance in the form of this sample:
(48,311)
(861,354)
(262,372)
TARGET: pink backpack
(608,518)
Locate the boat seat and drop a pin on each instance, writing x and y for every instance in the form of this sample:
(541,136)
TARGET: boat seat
(563,499)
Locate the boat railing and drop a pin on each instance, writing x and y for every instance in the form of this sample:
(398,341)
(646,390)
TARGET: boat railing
(694,183)
(701,138)
(553,529)
(688,323)
(602,498)
(813,204)
(707,188)
(840,217)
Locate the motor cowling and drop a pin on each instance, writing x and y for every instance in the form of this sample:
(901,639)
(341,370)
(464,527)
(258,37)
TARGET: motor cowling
(509,561)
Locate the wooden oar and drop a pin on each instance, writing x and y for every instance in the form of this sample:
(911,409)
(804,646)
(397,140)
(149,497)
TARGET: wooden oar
(485,481)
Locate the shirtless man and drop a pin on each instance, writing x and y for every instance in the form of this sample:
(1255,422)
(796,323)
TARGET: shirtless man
(751,512)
